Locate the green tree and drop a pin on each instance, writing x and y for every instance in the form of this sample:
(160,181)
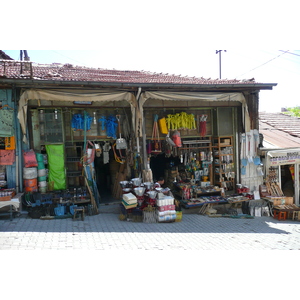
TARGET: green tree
(293,111)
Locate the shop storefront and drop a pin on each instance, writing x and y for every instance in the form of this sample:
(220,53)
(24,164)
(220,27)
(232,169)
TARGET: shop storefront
(276,180)
(282,167)
(80,146)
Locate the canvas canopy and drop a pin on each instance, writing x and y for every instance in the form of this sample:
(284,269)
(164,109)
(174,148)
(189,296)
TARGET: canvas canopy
(74,95)
(197,96)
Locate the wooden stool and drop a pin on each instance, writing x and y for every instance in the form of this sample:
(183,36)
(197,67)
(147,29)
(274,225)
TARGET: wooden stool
(78,210)
(296,215)
(282,215)
(275,213)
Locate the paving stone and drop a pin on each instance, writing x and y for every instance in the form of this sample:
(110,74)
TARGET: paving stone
(195,232)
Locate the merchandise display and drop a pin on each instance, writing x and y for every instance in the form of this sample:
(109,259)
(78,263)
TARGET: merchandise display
(143,198)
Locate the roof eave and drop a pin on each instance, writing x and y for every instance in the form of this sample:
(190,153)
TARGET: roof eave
(38,82)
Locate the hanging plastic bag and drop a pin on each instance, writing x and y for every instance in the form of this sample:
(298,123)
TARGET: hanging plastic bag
(177,139)
(56,160)
(169,140)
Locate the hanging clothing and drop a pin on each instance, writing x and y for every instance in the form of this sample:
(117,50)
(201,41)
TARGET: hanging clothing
(106,148)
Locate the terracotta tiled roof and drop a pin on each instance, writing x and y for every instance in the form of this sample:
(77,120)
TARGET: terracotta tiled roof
(74,73)
(280,129)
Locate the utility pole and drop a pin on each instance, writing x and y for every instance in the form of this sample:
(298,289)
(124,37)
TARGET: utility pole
(220,51)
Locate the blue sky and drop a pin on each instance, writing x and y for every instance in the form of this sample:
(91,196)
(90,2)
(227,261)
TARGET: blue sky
(266,66)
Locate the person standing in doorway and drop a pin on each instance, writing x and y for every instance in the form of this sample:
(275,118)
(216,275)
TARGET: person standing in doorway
(159,182)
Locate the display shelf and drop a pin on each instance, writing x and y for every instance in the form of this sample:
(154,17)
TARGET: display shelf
(224,167)
(201,150)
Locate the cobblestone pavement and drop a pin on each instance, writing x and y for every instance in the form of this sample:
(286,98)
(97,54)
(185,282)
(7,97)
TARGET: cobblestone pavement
(106,232)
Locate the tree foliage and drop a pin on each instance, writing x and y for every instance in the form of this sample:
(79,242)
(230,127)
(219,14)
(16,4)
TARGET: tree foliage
(293,111)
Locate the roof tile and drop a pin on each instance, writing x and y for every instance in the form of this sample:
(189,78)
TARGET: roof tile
(280,129)
(68,72)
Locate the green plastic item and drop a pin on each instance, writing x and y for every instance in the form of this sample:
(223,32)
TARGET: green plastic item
(56,166)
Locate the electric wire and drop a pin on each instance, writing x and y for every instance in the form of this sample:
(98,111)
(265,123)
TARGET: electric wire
(290,52)
(264,63)
(68,57)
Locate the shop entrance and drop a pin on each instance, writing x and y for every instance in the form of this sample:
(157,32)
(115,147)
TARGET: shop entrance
(287,180)
(161,165)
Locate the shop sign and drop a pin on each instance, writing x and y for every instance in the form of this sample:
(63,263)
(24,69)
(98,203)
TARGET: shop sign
(284,158)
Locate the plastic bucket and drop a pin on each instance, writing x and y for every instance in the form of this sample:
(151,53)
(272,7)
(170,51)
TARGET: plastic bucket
(41,165)
(41,172)
(43,184)
(30,185)
(39,157)
(30,182)
(43,189)
(30,173)
(29,159)
(42,178)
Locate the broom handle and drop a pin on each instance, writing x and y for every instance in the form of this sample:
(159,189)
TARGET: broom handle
(119,126)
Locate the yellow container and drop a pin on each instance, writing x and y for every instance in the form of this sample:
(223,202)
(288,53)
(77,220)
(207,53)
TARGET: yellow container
(163,126)
(10,143)
(178,216)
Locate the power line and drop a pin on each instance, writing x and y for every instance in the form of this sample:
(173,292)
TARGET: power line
(67,57)
(264,63)
(290,52)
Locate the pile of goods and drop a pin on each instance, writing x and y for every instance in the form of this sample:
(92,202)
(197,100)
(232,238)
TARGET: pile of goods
(187,190)
(7,194)
(34,172)
(144,202)
(58,204)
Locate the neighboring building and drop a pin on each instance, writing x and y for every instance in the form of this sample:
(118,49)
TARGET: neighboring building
(281,149)
(280,130)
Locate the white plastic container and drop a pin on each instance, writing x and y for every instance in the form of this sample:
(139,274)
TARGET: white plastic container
(42,184)
(29,173)
(42,172)
(169,200)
